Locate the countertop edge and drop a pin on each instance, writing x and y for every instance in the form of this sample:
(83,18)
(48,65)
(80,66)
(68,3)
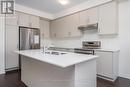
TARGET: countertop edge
(62,66)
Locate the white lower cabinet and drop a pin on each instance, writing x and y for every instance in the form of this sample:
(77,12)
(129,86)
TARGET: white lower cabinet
(107,65)
(11,46)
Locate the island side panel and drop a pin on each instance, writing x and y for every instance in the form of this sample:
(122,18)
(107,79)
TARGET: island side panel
(85,74)
(35,73)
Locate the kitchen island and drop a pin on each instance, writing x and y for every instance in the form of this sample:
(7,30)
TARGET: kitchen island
(64,69)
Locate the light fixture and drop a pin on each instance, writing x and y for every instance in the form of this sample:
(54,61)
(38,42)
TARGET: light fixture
(63,2)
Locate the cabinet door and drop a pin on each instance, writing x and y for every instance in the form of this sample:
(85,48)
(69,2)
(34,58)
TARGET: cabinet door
(92,15)
(12,19)
(71,24)
(108,19)
(55,29)
(24,19)
(66,27)
(105,64)
(45,29)
(58,28)
(89,16)
(11,46)
(34,21)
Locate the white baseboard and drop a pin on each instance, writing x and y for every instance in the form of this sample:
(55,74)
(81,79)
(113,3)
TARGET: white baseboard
(11,69)
(2,71)
(124,76)
(106,78)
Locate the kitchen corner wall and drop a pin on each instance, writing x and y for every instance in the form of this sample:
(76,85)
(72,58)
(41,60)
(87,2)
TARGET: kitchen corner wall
(121,41)
(2,50)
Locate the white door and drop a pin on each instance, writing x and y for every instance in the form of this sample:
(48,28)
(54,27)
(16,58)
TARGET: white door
(11,46)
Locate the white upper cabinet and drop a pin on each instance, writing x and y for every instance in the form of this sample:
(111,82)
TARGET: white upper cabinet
(108,18)
(27,20)
(70,26)
(105,15)
(65,27)
(24,19)
(56,28)
(89,16)
(34,21)
(12,19)
(45,29)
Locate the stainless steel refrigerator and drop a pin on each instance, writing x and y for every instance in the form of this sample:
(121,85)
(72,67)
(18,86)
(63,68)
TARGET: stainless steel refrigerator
(29,38)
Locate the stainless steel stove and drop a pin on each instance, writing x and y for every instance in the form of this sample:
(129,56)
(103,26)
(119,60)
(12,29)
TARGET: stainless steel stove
(88,47)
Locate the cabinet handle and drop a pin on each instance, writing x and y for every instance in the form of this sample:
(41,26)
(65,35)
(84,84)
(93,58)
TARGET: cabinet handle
(17,22)
(88,20)
(55,35)
(99,31)
(17,46)
(30,24)
(69,33)
(43,34)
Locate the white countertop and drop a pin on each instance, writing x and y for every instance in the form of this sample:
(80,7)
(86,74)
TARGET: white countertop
(63,61)
(108,50)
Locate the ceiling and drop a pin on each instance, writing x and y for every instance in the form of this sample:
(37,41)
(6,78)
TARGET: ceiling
(49,6)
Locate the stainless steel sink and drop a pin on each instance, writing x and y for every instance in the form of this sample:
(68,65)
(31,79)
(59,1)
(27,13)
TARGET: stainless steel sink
(55,53)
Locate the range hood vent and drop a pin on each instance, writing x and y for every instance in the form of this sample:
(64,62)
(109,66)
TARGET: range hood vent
(88,27)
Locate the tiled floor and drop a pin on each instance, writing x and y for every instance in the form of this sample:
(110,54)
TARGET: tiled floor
(12,80)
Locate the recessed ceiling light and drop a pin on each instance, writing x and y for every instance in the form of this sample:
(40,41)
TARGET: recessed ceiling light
(63,2)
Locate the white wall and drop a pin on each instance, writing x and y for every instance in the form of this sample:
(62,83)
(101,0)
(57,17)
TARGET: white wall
(2,58)
(124,26)
(122,41)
